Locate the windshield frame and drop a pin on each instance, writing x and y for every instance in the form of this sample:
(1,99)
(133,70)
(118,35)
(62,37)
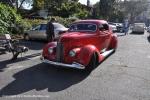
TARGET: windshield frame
(58,24)
(83,30)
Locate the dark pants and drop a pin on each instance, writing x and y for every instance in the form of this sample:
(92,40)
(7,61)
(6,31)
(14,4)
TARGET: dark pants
(50,38)
(126,30)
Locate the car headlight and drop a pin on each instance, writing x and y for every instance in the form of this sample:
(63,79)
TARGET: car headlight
(72,53)
(50,50)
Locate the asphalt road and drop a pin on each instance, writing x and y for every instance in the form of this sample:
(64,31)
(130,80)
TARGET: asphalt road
(125,75)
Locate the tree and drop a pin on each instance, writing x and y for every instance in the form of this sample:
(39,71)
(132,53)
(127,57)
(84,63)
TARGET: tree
(18,4)
(134,8)
(106,7)
(72,9)
(10,21)
(38,4)
(62,8)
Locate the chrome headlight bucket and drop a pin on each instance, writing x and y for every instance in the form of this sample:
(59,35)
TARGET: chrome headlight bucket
(72,53)
(50,50)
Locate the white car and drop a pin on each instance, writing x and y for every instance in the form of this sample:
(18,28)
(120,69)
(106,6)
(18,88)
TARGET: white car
(148,29)
(113,27)
(138,28)
(39,32)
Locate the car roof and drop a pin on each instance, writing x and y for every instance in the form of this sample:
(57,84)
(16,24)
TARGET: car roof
(139,23)
(92,20)
(46,23)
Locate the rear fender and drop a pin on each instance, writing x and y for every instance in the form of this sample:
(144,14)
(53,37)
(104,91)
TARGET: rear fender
(86,53)
(113,42)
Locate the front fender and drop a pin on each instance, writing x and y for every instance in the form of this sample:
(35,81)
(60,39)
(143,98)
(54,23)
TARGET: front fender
(45,48)
(85,54)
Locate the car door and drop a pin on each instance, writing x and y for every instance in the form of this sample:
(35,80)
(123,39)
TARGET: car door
(104,37)
(107,35)
(41,34)
(34,31)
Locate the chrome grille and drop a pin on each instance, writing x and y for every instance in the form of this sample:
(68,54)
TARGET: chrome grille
(59,52)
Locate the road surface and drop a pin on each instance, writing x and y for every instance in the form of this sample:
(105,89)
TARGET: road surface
(125,75)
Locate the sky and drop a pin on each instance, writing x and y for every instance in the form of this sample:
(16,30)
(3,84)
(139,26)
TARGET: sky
(85,1)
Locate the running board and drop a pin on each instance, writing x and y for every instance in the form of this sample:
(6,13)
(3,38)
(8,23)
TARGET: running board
(107,53)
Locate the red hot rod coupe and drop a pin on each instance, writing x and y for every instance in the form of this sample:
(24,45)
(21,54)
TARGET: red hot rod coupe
(86,43)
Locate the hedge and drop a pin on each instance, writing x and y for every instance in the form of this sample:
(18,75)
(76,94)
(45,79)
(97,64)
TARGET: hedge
(33,22)
(10,21)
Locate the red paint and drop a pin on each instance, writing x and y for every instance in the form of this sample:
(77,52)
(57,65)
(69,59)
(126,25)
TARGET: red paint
(83,43)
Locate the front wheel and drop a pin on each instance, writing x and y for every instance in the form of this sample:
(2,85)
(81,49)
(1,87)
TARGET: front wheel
(92,64)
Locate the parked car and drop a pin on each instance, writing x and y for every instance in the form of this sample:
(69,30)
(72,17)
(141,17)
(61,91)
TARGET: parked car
(113,27)
(148,29)
(86,43)
(119,27)
(116,27)
(39,31)
(138,28)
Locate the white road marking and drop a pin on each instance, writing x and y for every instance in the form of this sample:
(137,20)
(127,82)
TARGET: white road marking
(13,67)
(33,58)
(148,57)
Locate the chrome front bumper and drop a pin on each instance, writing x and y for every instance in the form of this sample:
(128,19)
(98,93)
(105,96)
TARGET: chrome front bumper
(73,65)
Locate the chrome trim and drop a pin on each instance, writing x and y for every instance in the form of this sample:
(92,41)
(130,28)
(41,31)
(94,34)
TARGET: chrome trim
(73,65)
(59,52)
(107,53)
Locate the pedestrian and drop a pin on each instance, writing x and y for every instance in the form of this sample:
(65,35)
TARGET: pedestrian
(126,27)
(50,30)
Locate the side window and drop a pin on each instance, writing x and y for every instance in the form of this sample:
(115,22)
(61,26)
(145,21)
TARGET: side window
(43,27)
(101,27)
(91,27)
(36,28)
(106,27)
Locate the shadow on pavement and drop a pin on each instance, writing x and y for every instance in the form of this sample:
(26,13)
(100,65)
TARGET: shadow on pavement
(148,38)
(3,64)
(33,45)
(136,33)
(2,51)
(42,77)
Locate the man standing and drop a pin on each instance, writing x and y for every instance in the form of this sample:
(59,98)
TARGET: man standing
(50,30)
(126,26)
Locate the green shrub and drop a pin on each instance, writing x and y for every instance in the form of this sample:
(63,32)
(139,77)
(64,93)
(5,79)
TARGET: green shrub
(10,21)
(65,21)
(33,22)
(29,23)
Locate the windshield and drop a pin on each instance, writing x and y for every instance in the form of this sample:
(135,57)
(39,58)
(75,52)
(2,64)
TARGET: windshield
(83,27)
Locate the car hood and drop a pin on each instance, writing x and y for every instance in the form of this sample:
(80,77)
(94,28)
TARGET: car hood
(69,36)
(72,40)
